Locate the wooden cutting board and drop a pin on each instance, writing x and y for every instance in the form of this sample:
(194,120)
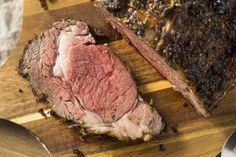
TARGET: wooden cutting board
(187,134)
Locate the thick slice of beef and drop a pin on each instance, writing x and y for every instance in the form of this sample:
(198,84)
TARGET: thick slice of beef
(191,42)
(87,83)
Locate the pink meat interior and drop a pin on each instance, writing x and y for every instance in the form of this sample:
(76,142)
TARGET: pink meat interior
(100,81)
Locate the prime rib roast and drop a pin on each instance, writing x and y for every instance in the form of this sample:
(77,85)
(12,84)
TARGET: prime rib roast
(190,42)
(85,82)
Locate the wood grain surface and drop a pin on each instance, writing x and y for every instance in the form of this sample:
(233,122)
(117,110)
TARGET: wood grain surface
(187,134)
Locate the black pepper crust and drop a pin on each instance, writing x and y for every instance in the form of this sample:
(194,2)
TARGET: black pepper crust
(201,45)
(204,48)
(19,69)
(40,97)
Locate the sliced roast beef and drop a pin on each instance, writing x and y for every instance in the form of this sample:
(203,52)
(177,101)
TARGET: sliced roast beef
(191,42)
(87,83)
